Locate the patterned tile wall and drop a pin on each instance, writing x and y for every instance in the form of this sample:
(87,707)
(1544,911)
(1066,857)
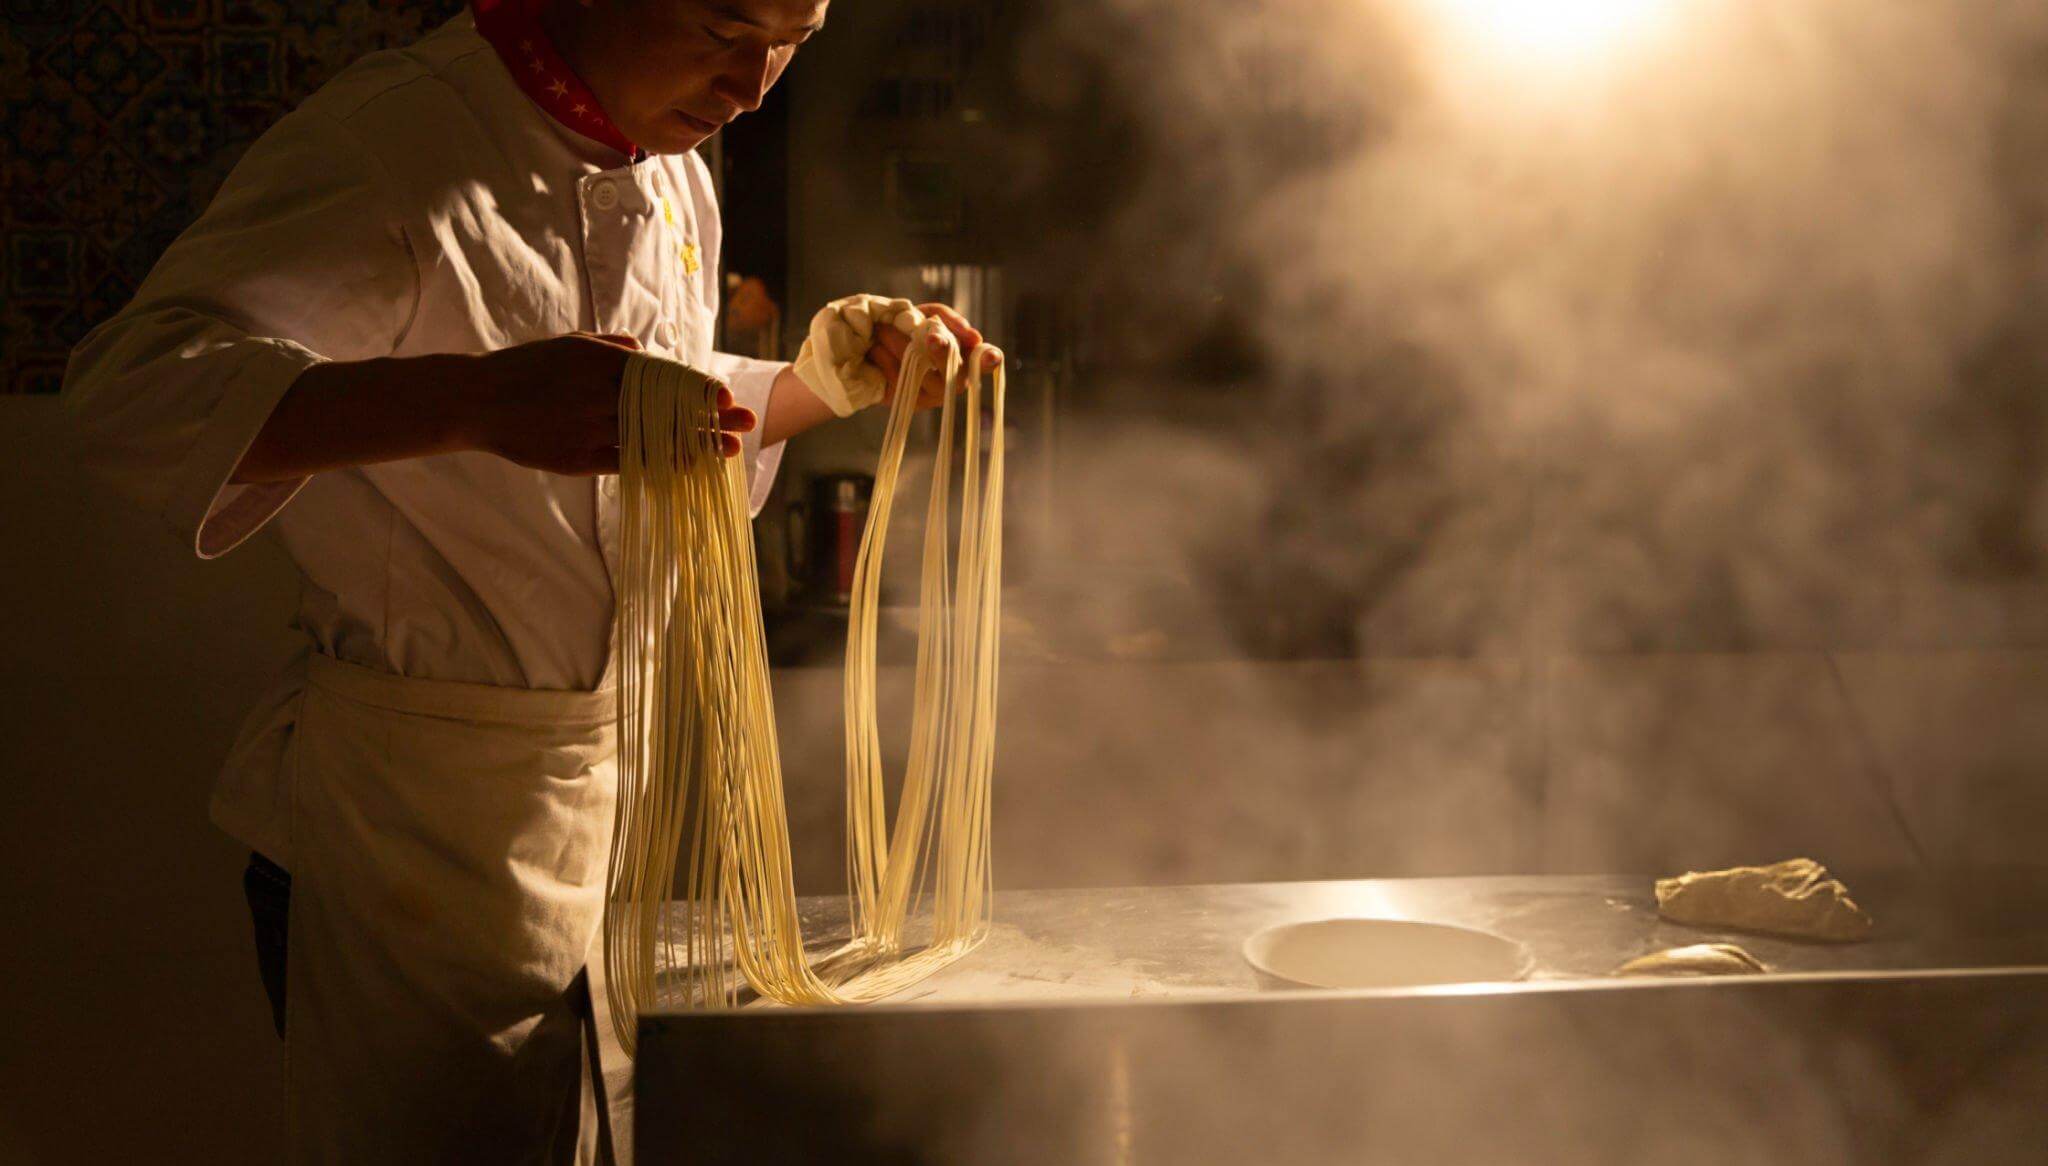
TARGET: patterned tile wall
(118,120)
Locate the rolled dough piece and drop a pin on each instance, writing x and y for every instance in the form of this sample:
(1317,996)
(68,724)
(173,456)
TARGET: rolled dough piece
(1795,898)
(1699,959)
(833,363)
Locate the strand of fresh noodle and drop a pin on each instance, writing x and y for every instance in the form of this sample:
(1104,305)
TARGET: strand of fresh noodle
(940,790)
(695,701)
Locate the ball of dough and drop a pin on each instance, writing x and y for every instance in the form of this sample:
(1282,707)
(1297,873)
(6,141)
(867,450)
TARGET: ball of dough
(1794,898)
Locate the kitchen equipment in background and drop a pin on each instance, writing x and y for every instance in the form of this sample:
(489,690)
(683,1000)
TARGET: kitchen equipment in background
(824,536)
(921,192)
(1381,953)
(1035,334)
(974,290)
(751,324)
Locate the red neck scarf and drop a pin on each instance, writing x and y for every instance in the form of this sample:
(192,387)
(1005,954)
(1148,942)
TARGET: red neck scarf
(513,27)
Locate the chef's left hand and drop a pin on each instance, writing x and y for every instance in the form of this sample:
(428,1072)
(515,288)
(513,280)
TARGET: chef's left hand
(891,344)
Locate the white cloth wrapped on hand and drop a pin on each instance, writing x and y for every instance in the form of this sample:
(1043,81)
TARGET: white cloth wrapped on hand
(833,363)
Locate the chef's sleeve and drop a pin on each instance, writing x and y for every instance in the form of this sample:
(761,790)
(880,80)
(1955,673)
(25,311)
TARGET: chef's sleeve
(751,382)
(299,259)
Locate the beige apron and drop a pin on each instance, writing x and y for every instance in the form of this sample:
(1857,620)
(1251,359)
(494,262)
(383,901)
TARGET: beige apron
(449,844)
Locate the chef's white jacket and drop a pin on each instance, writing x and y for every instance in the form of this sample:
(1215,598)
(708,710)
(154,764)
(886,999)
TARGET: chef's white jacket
(419,203)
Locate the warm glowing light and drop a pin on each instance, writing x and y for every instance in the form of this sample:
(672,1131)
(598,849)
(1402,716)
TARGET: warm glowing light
(1554,27)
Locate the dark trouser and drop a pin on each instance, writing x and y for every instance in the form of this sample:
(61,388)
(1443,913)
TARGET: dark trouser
(268,888)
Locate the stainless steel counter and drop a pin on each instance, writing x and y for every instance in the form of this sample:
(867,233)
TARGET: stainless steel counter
(1167,942)
(1122,1026)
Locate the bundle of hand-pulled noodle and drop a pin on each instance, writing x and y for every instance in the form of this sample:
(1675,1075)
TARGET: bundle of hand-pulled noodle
(697,723)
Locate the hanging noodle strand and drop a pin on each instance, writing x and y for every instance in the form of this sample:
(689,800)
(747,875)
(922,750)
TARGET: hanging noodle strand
(697,747)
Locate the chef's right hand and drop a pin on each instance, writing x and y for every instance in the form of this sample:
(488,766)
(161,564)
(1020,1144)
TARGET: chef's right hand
(554,404)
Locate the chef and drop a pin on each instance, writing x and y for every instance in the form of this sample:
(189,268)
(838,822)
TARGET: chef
(396,339)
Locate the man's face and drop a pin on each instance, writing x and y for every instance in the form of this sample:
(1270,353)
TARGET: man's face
(671,72)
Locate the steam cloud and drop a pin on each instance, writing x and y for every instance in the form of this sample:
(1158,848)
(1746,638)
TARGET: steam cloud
(1719,339)
(1733,320)
(1590,449)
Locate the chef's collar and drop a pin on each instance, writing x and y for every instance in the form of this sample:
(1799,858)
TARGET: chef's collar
(514,29)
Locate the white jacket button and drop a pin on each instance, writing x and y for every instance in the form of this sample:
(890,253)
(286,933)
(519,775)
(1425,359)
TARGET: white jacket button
(604,195)
(665,334)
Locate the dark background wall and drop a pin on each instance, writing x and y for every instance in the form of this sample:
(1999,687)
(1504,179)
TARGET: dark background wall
(117,123)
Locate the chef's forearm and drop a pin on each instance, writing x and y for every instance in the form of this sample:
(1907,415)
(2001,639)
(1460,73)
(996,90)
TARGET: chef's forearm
(353,413)
(792,408)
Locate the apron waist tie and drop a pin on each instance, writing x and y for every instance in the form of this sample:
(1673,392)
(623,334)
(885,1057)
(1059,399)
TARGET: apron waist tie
(478,703)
